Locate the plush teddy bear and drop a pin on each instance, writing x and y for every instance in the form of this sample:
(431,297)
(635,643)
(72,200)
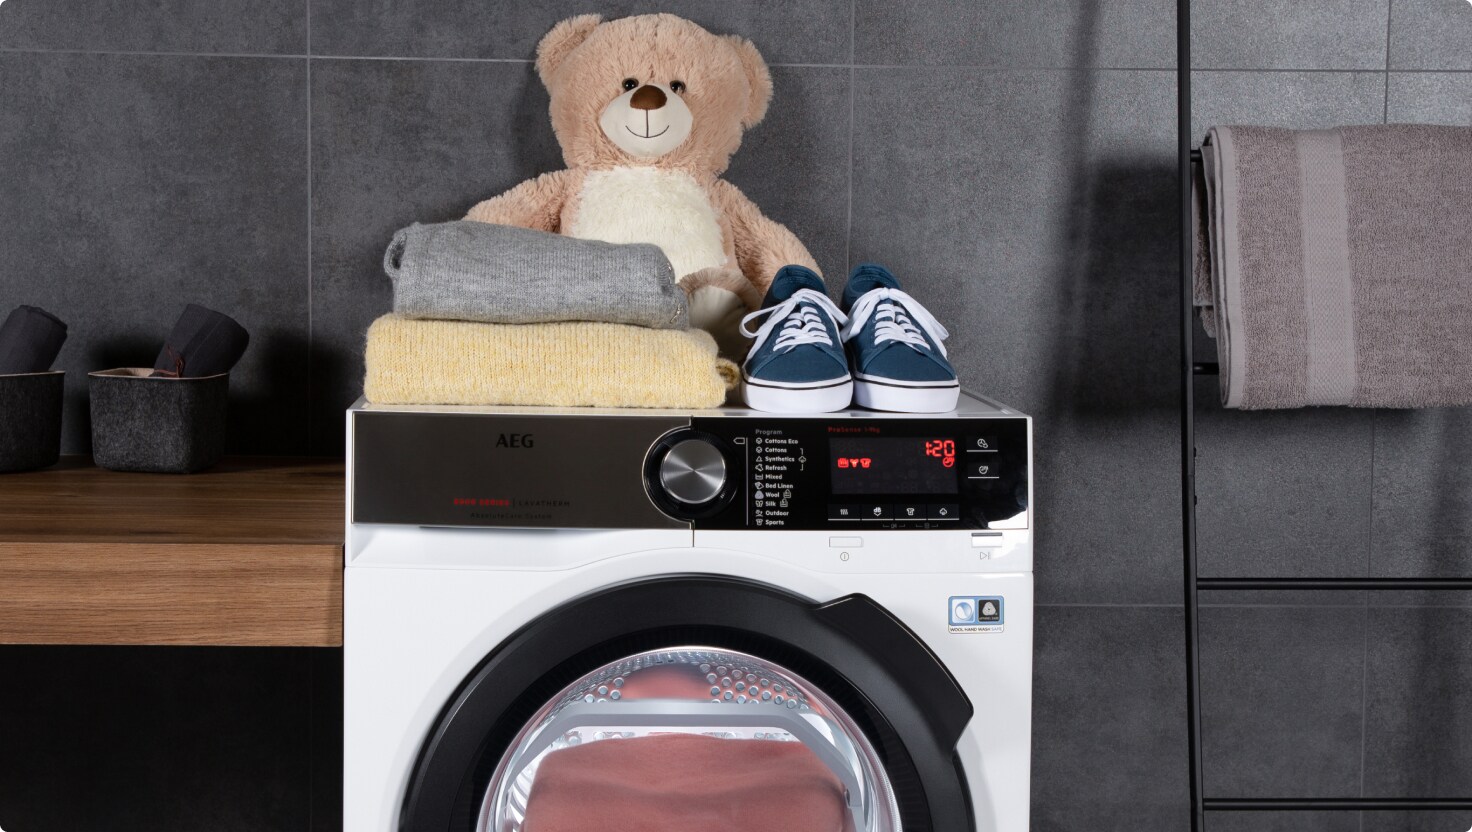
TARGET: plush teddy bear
(648,110)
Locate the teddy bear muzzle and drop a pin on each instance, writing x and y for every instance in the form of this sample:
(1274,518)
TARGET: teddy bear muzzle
(647,122)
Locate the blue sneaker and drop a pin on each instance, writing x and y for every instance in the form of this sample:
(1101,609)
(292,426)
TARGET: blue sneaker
(796,363)
(895,347)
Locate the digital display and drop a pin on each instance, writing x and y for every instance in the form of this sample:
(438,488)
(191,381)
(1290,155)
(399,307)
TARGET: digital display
(892,465)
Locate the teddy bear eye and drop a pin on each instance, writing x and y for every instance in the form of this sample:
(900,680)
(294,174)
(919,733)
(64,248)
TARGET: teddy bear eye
(630,83)
(677,86)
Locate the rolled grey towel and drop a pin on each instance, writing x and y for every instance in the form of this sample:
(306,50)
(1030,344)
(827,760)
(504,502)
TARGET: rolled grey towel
(1333,265)
(501,274)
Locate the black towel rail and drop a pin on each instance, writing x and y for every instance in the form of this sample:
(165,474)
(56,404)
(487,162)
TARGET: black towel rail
(1194,583)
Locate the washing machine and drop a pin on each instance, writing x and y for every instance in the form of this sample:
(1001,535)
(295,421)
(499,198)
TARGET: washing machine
(853,590)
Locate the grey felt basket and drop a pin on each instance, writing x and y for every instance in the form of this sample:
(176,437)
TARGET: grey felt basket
(30,420)
(159,425)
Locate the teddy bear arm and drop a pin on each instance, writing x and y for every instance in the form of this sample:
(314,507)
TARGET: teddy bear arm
(762,244)
(536,203)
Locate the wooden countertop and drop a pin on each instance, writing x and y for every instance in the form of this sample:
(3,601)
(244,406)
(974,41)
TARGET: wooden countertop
(246,553)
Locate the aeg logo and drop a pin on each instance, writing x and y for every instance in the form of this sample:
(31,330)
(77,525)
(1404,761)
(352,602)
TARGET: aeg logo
(516,440)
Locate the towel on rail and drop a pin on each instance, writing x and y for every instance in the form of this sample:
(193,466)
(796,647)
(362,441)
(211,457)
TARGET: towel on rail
(1334,267)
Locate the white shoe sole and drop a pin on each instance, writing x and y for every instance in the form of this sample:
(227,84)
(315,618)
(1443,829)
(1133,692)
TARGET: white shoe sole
(824,398)
(900,398)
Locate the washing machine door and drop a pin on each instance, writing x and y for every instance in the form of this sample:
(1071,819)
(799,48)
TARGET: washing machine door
(709,702)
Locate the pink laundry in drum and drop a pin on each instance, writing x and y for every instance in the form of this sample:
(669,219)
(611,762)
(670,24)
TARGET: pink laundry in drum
(684,782)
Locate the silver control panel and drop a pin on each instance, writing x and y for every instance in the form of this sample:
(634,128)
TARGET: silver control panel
(720,469)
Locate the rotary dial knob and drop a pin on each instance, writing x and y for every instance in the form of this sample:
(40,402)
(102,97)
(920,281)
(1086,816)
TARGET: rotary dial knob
(693,472)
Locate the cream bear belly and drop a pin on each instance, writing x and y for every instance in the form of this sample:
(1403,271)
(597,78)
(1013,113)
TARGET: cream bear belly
(648,205)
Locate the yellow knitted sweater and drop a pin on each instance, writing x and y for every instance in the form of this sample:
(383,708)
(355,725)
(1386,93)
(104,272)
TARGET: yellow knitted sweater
(561,364)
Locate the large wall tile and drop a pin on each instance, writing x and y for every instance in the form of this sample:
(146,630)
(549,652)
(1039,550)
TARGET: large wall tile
(1109,722)
(144,739)
(1067,34)
(1284,822)
(1300,100)
(1430,34)
(810,32)
(1423,491)
(1431,97)
(1281,695)
(137,184)
(1032,215)
(395,142)
(1289,34)
(1419,704)
(794,165)
(1283,493)
(231,26)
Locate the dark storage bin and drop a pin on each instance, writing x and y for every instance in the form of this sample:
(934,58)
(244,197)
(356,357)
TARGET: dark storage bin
(162,425)
(30,420)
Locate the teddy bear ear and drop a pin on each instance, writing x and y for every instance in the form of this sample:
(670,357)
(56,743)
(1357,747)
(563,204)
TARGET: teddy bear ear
(557,44)
(757,77)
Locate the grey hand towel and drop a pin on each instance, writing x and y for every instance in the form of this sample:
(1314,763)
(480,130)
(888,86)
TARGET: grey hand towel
(1335,266)
(501,274)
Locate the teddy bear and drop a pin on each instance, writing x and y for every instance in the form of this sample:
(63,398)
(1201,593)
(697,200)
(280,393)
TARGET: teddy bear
(648,110)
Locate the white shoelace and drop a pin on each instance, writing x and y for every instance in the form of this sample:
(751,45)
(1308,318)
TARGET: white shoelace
(803,326)
(898,317)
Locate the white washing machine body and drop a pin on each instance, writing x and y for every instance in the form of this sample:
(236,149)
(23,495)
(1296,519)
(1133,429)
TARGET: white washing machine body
(437,594)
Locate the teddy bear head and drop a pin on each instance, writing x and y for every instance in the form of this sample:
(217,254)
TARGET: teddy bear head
(651,89)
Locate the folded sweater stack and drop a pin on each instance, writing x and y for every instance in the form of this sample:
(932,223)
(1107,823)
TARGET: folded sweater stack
(492,314)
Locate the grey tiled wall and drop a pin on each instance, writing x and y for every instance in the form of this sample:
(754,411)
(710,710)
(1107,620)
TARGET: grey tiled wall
(1013,161)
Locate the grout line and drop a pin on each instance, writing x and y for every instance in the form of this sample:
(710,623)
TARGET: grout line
(848,235)
(150,53)
(850,66)
(1389,16)
(434,59)
(310,353)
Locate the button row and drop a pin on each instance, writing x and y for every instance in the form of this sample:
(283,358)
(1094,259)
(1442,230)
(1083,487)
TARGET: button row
(903,511)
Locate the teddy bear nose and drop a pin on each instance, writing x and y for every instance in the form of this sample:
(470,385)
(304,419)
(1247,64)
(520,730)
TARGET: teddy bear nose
(647,97)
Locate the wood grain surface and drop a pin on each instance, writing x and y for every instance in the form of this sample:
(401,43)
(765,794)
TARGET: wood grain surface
(247,553)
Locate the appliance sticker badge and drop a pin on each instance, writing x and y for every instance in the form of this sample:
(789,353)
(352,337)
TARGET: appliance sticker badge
(976,614)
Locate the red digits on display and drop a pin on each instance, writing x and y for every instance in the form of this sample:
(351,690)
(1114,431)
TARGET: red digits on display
(943,449)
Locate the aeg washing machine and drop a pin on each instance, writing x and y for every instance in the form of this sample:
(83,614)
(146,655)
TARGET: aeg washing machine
(528,582)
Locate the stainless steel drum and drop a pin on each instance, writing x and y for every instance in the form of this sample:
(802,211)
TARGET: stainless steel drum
(694,690)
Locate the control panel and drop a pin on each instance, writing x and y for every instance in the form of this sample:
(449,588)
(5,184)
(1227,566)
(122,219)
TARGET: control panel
(808,474)
(835,472)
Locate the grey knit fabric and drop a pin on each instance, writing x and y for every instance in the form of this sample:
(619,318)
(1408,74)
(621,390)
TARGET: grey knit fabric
(1333,265)
(475,271)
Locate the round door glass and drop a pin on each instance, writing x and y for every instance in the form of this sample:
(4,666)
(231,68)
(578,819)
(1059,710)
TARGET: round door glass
(708,738)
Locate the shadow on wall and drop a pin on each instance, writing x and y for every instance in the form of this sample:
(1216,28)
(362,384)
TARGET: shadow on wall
(280,379)
(1117,301)
(1117,296)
